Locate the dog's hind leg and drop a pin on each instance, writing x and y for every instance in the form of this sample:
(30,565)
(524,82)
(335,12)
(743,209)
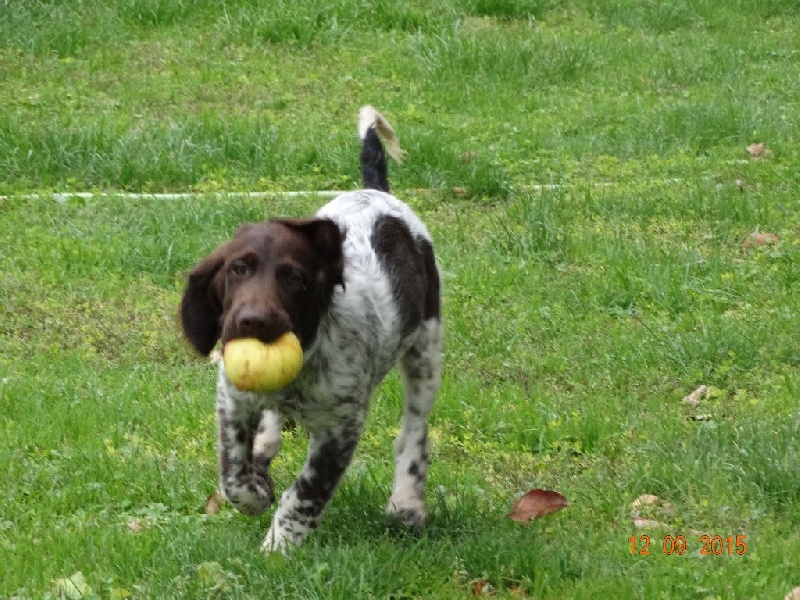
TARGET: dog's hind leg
(421,370)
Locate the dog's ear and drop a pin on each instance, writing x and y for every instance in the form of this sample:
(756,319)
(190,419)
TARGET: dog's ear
(201,305)
(327,239)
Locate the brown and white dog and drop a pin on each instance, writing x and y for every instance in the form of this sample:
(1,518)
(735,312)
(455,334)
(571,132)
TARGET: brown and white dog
(360,287)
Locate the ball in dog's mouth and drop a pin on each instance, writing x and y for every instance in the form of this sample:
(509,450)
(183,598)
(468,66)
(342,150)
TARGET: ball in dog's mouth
(253,366)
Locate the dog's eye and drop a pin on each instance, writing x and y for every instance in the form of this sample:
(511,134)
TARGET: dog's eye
(239,268)
(292,278)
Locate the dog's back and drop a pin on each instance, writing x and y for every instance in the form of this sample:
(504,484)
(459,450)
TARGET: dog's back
(391,279)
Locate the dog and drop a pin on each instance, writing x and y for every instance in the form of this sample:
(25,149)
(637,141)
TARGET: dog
(359,285)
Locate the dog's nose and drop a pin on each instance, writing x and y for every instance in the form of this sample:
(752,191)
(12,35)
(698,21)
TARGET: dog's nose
(265,325)
(250,322)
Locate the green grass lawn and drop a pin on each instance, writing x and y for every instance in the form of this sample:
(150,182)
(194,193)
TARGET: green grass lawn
(577,316)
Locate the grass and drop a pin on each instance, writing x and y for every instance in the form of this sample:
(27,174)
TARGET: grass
(577,317)
(163,95)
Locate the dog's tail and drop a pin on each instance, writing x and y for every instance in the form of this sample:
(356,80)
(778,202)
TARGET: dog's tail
(372,127)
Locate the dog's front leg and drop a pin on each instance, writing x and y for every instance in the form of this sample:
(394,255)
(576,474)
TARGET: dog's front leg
(302,505)
(267,440)
(244,481)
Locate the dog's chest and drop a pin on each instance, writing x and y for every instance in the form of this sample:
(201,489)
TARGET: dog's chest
(358,342)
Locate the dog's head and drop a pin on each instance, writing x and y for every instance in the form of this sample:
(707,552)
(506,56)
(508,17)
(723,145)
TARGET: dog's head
(271,278)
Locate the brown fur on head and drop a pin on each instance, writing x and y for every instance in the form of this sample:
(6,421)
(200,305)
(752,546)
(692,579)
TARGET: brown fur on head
(271,278)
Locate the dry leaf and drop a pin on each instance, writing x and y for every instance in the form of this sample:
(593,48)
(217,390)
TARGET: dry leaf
(701,417)
(73,587)
(759,150)
(694,398)
(537,503)
(653,524)
(643,500)
(213,504)
(481,587)
(649,500)
(793,595)
(136,526)
(649,524)
(757,239)
(659,508)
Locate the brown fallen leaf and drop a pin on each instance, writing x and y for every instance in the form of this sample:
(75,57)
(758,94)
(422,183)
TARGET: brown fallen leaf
(653,524)
(759,150)
(793,595)
(644,500)
(537,503)
(756,239)
(694,398)
(658,507)
(659,504)
(481,587)
(213,503)
(649,524)
(136,526)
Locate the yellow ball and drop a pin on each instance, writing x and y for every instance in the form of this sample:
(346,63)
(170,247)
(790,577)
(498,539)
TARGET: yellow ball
(254,366)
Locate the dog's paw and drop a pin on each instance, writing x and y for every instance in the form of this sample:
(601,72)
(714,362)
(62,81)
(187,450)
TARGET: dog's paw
(278,540)
(251,498)
(411,515)
(272,544)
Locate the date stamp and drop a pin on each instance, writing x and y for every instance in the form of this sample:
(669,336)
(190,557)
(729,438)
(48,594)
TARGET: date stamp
(707,545)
